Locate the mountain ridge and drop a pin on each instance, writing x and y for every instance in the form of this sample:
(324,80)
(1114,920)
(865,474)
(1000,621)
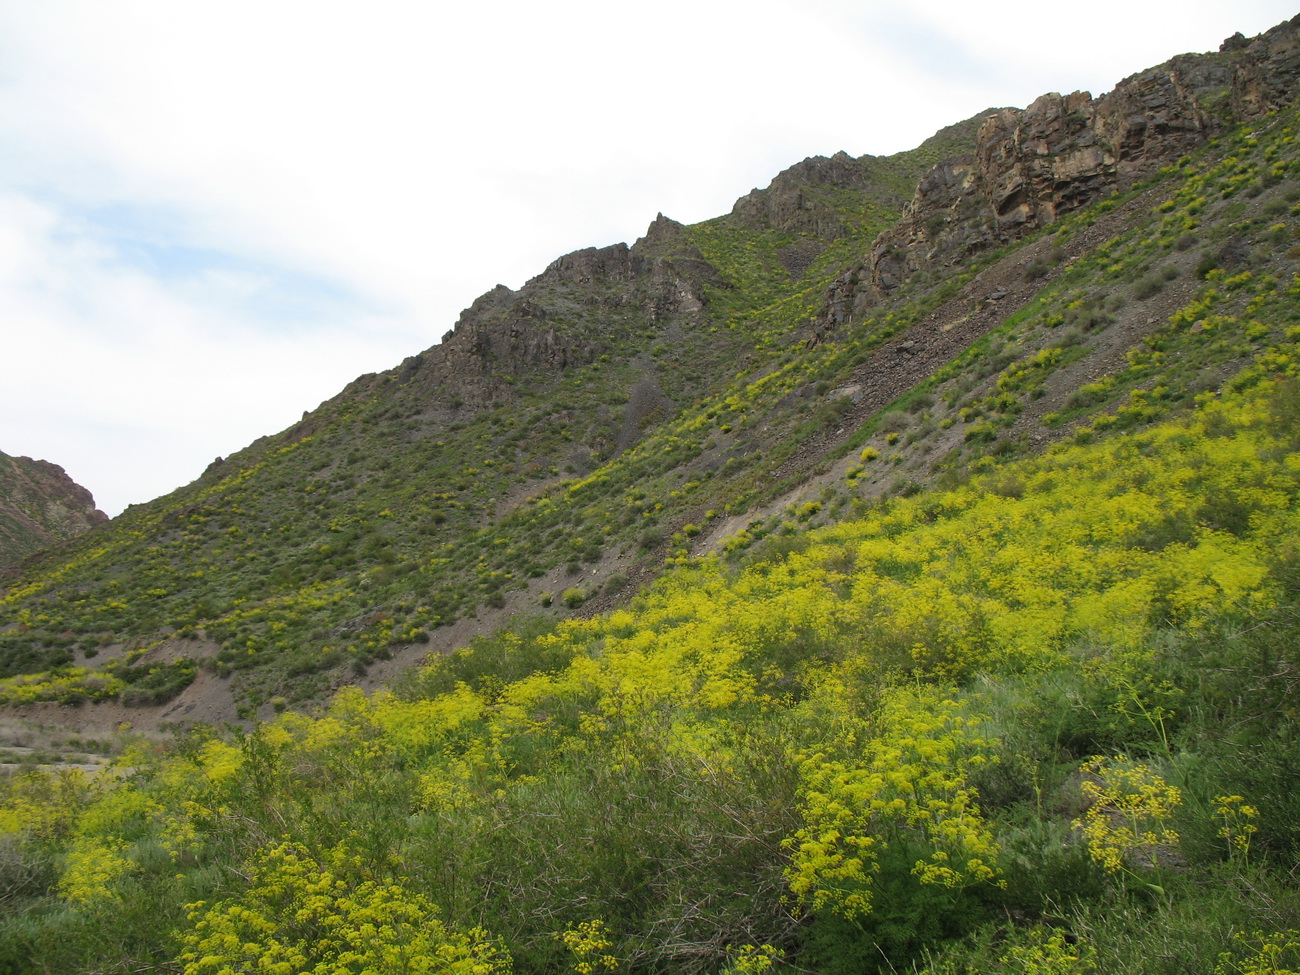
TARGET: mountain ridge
(567,440)
(766,619)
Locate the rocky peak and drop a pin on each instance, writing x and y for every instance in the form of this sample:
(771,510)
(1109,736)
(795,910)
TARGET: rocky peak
(560,318)
(790,202)
(483,306)
(663,238)
(40,505)
(1063,152)
(1267,70)
(678,271)
(592,265)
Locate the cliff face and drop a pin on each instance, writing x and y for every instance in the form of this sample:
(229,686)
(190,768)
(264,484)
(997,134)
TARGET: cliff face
(40,505)
(1064,152)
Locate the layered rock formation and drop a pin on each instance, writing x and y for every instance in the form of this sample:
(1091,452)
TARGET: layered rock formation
(1063,152)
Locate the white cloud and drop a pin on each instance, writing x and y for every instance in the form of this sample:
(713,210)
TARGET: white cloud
(143,381)
(212,216)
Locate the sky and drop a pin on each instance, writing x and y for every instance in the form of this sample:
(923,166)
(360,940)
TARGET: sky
(213,216)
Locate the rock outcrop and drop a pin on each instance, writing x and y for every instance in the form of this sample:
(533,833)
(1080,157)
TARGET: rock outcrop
(791,202)
(1063,152)
(1267,70)
(568,315)
(40,505)
(1025,168)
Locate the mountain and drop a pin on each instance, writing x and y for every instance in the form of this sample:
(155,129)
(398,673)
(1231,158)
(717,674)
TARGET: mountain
(895,574)
(630,406)
(40,505)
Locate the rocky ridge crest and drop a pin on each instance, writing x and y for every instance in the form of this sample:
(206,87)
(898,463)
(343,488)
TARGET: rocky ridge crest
(563,317)
(1013,171)
(1033,165)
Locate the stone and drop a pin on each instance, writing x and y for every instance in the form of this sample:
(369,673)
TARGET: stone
(1031,166)
(1236,42)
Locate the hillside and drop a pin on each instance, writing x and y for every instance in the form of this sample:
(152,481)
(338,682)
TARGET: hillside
(40,505)
(630,405)
(1043,720)
(897,573)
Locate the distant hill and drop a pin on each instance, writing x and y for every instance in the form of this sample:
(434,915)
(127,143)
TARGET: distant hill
(39,505)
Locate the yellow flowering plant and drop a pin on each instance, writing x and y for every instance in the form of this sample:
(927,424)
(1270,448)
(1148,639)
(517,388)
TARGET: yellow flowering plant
(1269,953)
(1047,952)
(300,916)
(903,792)
(1237,824)
(589,944)
(1127,821)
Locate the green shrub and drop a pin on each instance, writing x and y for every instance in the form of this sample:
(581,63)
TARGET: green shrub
(1148,287)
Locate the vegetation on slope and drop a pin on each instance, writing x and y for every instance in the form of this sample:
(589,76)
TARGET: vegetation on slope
(387,515)
(1046,714)
(395,509)
(1038,716)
